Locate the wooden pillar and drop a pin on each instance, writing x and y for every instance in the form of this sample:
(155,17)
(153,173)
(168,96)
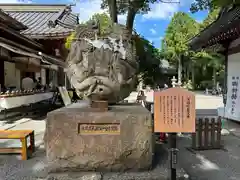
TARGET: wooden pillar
(225,53)
(2,74)
(60,76)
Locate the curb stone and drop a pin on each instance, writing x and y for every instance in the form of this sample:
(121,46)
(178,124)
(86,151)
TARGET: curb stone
(75,176)
(107,176)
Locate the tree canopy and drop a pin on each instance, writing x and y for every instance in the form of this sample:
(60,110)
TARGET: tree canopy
(149,59)
(212,16)
(104,22)
(131,7)
(194,65)
(181,28)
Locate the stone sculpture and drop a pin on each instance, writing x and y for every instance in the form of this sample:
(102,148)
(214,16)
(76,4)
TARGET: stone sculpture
(78,138)
(102,67)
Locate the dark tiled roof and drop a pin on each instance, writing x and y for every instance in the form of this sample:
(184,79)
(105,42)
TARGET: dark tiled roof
(228,17)
(43,21)
(11,22)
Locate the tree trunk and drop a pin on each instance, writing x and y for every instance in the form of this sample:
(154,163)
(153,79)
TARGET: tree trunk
(112,4)
(180,69)
(214,77)
(188,70)
(193,75)
(130,18)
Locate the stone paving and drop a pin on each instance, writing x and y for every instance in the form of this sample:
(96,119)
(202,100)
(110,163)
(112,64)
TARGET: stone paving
(220,164)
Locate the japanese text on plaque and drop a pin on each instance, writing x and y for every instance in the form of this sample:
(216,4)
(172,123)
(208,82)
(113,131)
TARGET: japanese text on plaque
(174,111)
(99,129)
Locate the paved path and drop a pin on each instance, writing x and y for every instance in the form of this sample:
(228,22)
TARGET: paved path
(202,101)
(213,164)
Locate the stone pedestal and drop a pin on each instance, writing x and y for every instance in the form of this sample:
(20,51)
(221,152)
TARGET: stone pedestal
(77,138)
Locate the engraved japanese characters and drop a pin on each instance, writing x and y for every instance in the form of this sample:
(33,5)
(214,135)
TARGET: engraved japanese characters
(174,110)
(102,67)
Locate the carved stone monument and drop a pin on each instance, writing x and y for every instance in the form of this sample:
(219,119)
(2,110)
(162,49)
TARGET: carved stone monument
(93,136)
(102,65)
(79,139)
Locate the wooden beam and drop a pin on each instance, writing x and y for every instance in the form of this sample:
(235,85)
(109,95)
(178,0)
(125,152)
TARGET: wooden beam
(17,45)
(17,34)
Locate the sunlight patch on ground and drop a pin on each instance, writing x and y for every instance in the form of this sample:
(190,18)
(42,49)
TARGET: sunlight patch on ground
(234,157)
(232,130)
(206,164)
(233,178)
(39,166)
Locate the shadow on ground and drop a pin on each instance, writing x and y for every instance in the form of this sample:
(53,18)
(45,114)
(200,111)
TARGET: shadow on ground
(12,168)
(222,164)
(36,111)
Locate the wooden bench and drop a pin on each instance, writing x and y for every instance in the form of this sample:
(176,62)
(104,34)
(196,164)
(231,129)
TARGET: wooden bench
(22,135)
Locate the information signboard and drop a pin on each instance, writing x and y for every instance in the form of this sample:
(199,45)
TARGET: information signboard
(174,111)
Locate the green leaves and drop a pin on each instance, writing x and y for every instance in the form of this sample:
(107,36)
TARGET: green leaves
(199,5)
(212,16)
(149,59)
(104,21)
(196,65)
(181,28)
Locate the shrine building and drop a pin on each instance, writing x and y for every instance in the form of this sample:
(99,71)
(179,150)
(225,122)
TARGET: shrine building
(223,36)
(48,25)
(20,54)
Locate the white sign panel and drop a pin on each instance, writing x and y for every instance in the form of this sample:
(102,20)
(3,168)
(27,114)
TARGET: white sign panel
(232,110)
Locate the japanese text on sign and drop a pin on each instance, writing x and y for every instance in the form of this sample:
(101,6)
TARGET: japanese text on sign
(174,111)
(99,129)
(234,93)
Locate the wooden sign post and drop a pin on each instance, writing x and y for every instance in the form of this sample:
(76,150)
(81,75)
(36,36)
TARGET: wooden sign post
(174,112)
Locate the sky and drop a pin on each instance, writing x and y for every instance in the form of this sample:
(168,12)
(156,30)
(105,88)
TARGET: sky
(151,25)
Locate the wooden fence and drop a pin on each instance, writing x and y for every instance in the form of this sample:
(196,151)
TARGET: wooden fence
(208,134)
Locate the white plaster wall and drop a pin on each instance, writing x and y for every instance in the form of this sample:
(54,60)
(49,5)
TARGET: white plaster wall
(233,70)
(12,75)
(234,43)
(234,64)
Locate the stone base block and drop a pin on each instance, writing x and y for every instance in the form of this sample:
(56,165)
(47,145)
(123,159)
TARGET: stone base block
(80,139)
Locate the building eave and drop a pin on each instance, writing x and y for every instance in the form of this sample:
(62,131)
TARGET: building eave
(220,31)
(13,23)
(49,36)
(18,35)
(28,52)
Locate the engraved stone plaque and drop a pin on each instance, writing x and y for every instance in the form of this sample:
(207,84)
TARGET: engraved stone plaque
(98,129)
(174,111)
